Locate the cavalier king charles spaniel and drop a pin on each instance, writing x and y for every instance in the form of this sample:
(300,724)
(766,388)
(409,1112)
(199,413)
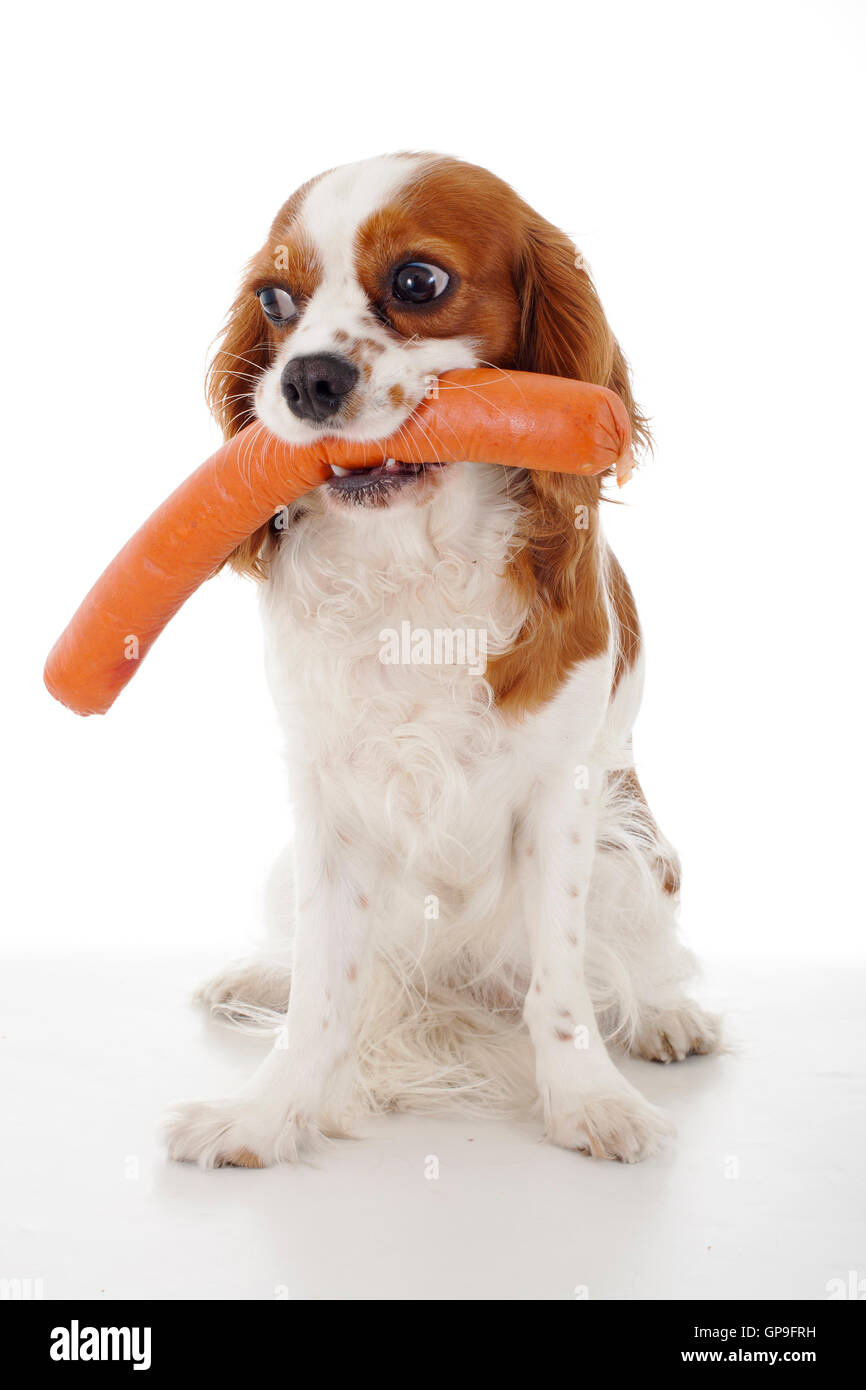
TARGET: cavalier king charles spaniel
(477,905)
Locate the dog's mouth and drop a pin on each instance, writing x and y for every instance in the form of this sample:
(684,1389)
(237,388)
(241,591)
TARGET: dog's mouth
(375,486)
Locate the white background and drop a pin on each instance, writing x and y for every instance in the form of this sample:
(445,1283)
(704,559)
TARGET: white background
(708,161)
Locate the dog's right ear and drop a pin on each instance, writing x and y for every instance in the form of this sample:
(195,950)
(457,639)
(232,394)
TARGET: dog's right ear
(242,355)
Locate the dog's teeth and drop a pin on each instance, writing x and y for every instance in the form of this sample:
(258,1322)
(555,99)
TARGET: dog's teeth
(340,472)
(390,465)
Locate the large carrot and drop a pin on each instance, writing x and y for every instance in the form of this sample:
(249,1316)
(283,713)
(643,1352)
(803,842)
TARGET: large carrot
(519,419)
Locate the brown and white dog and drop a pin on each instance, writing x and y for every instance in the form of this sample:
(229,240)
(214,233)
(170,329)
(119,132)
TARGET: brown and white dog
(481,901)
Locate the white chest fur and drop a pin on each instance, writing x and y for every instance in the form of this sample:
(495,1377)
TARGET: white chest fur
(377,627)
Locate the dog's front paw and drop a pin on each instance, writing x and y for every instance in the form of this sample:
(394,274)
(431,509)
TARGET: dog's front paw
(618,1125)
(237,1132)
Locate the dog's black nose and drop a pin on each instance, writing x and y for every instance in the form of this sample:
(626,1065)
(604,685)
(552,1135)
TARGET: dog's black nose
(315,387)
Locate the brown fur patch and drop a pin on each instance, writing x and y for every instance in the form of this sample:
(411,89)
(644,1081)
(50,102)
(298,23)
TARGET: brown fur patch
(558,573)
(460,218)
(627,624)
(556,576)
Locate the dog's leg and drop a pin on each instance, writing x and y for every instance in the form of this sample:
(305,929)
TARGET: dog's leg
(301,1089)
(588,1104)
(636,879)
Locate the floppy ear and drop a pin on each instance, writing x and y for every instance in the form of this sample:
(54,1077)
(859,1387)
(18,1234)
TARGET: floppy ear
(563,332)
(242,355)
(563,329)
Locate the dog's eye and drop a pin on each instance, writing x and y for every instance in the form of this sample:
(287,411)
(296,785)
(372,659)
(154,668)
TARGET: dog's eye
(277,304)
(419,282)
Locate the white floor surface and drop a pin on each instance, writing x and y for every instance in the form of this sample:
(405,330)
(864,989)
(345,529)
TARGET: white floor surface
(761,1196)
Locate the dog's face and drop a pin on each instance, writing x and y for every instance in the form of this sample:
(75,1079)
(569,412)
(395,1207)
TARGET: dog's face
(376,278)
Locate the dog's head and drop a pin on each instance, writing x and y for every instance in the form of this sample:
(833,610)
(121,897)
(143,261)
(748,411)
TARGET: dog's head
(376,278)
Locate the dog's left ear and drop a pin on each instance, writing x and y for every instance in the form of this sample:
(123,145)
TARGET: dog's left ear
(242,355)
(563,328)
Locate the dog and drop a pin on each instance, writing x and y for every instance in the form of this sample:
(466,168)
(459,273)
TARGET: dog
(478,906)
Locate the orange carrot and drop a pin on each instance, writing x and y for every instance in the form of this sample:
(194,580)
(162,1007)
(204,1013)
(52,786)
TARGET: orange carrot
(519,419)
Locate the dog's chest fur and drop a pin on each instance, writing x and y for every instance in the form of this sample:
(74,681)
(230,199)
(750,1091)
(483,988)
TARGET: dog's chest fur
(412,759)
